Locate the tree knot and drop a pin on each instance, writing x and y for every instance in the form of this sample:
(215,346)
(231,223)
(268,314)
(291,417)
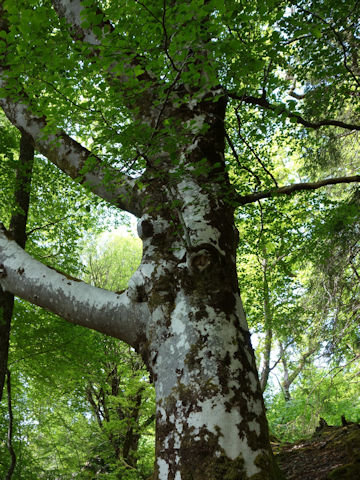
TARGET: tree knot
(200,260)
(3,272)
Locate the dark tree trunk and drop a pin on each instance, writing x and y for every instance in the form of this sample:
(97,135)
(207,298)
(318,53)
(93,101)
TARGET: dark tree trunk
(18,231)
(11,468)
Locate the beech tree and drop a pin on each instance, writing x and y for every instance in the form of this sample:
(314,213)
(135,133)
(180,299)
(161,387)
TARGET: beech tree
(147,105)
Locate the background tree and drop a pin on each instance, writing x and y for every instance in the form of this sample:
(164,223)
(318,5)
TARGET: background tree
(118,392)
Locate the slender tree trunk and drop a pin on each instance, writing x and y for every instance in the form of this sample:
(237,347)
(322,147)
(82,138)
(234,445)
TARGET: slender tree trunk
(265,370)
(132,437)
(289,379)
(18,231)
(10,429)
(6,310)
(285,383)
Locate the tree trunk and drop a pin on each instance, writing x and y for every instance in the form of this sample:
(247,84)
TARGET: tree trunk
(18,231)
(211,420)
(285,383)
(210,413)
(288,378)
(11,468)
(265,370)
(6,310)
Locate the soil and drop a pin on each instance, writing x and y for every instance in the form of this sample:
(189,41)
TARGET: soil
(332,453)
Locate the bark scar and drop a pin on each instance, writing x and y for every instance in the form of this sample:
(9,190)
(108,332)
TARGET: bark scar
(3,272)
(200,260)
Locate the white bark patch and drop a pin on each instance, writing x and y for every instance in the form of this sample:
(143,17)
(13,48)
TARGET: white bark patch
(214,417)
(255,406)
(196,208)
(72,10)
(162,413)
(255,426)
(163,469)
(196,123)
(147,269)
(193,146)
(177,325)
(173,351)
(253,381)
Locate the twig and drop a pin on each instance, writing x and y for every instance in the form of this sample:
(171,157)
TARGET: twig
(47,225)
(252,150)
(166,39)
(280,109)
(231,145)
(339,39)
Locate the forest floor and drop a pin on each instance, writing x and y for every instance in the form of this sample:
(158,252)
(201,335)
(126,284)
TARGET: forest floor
(332,453)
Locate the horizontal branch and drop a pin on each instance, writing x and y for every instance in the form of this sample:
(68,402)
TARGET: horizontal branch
(281,110)
(74,159)
(295,187)
(79,303)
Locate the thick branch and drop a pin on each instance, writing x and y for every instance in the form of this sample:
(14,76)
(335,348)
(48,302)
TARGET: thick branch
(75,15)
(281,110)
(73,12)
(79,303)
(295,187)
(73,159)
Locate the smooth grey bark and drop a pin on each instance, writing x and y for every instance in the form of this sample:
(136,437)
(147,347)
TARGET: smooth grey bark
(285,385)
(265,369)
(76,301)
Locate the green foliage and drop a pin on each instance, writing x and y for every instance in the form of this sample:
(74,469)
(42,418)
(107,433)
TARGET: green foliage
(53,362)
(62,366)
(321,392)
(298,259)
(111,260)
